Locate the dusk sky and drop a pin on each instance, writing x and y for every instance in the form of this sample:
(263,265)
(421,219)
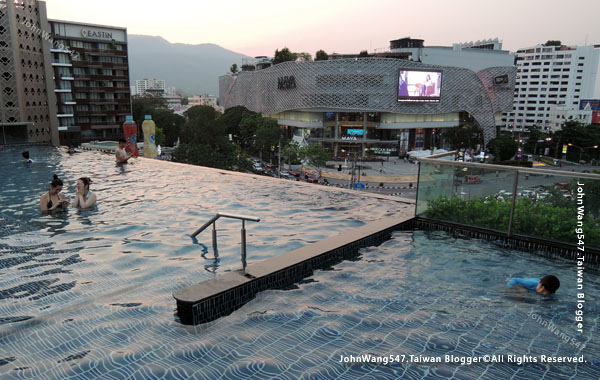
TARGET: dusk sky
(258,27)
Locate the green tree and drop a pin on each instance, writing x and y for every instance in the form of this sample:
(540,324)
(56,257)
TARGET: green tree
(170,123)
(185,101)
(267,134)
(284,55)
(579,135)
(232,119)
(553,43)
(204,142)
(248,126)
(535,134)
(315,154)
(503,147)
(145,105)
(363,53)
(202,112)
(160,136)
(290,151)
(234,69)
(463,136)
(321,55)
(305,56)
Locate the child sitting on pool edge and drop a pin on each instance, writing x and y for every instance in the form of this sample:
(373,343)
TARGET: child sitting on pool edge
(547,285)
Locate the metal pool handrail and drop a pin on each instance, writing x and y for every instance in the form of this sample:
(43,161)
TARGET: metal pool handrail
(213,221)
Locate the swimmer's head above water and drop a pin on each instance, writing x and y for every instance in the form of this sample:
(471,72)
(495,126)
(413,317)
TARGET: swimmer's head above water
(548,285)
(56,185)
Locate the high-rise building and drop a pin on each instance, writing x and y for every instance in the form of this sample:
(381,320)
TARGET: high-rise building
(551,83)
(27,102)
(143,85)
(474,56)
(60,81)
(91,72)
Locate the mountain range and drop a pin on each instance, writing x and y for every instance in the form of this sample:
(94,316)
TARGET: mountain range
(192,69)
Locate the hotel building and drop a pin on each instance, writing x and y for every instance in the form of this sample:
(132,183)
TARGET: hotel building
(554,85)
(91,72)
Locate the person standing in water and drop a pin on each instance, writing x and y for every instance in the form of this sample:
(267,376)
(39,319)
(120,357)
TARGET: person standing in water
(84,198)
(120,154)
(54,199)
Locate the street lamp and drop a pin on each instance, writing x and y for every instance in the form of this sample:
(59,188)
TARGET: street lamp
(582,149)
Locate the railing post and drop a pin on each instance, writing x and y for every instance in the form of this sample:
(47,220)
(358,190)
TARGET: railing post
(214,238)
(512,206)
(244,245)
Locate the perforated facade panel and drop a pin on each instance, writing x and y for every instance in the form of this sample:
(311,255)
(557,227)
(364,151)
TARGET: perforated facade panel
(26,91)
(368,85)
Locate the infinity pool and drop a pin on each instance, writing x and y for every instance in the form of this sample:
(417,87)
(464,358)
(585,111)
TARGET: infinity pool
(88,294)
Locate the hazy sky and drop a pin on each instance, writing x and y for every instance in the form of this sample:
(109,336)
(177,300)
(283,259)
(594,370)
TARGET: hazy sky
(258,27)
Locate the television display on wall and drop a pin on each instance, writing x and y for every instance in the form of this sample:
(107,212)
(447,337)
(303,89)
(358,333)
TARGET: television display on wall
(419,85)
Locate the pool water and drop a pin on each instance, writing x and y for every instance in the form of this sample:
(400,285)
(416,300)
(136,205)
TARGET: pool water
(124,258)
(88,294)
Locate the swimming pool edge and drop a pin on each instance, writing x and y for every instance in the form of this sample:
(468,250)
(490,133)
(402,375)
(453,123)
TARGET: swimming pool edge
(214,298)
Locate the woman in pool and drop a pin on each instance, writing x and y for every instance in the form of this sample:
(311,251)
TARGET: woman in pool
(84,198)
(54,199)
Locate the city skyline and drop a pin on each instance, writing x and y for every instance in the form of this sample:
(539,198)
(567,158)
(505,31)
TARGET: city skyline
(260,27)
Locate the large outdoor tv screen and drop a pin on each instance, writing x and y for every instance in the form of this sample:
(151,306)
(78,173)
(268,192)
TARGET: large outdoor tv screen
(419,86)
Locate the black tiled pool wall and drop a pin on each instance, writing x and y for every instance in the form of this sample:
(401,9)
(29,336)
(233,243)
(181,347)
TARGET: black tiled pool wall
(226,302)
(535,246)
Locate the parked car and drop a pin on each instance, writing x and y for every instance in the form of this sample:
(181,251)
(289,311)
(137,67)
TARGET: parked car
(543,195)
(258,167)
(527,193)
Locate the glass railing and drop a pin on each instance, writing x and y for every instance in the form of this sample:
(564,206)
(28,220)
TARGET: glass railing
(545,204)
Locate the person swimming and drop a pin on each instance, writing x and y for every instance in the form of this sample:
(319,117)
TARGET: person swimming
(26,158)
(54,199)
(84,198)
(547,285)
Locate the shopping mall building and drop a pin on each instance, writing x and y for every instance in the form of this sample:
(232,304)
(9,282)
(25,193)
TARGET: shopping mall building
(375,106)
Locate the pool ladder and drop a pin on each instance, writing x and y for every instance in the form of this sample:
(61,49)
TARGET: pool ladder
(213,221)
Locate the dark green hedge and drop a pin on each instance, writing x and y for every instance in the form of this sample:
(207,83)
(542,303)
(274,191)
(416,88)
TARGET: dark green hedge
(539,219)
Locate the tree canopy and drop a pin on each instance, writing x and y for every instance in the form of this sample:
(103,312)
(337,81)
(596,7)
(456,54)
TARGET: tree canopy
(553,43)
(315,154)
(321,55)
(535,134)
(202,112)
(503,147)
(284,55)
(464,136)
